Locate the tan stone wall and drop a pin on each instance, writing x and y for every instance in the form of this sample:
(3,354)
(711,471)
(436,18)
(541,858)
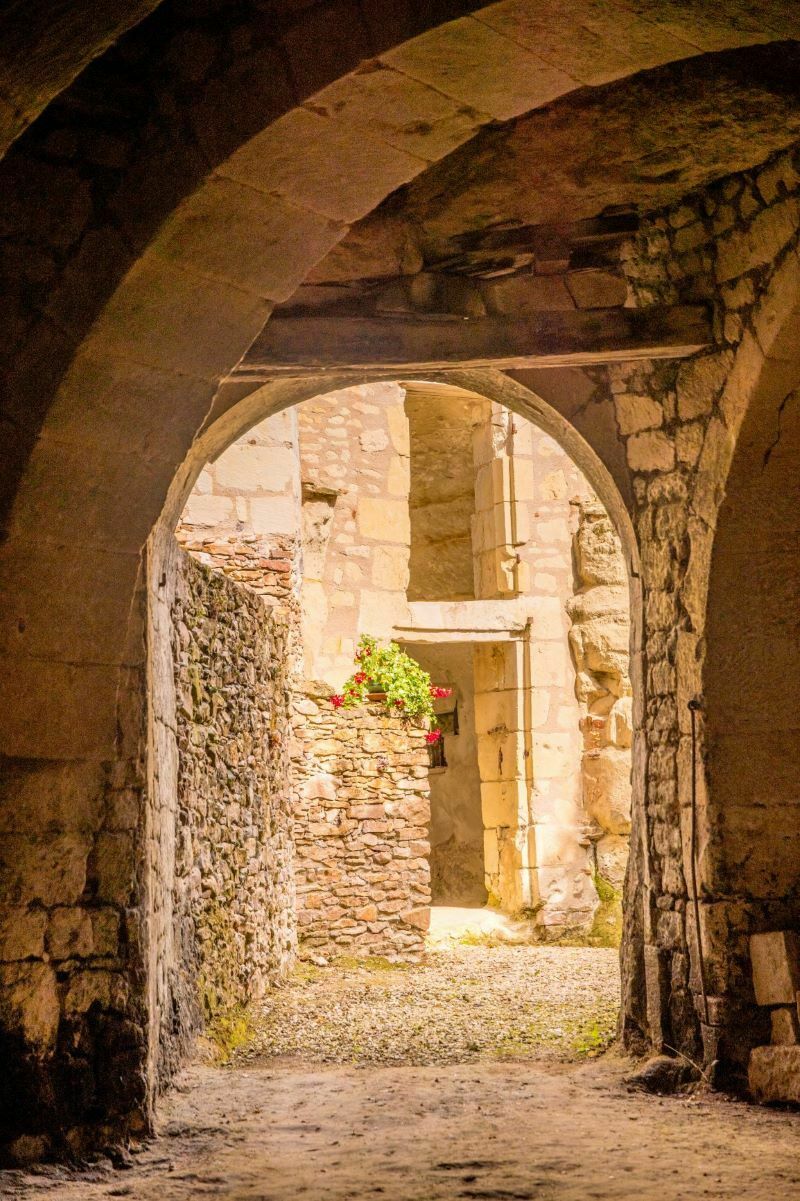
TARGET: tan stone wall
(243,515)
(735,244)
(600,640)
(530,713)
(361,809)
(354,455)
(217,930)
(442,497)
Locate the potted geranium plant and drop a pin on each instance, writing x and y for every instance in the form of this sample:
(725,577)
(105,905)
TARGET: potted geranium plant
(386,673)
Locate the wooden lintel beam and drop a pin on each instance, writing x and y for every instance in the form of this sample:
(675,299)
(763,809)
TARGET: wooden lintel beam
(554,339)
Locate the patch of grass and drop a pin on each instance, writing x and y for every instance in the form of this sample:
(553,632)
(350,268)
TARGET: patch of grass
(369,963)
(596,1037)
(229,1031)
(606,928)
(481,938)
(304,972)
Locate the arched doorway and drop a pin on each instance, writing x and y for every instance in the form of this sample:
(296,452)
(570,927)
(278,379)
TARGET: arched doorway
(749,852)
(539,875)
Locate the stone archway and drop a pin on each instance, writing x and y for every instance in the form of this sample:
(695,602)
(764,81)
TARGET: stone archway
(535,836)
(749,848)
(111,377)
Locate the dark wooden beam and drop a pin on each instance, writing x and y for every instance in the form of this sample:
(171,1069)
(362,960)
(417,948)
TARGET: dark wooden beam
(297,345)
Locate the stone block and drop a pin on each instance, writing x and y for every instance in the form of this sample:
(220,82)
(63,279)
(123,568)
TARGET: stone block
(22,934)
(500,710)
(472,63)
(651,452)
(774,1074)
(785,1026)
(504,803)
(273,514)
(401,111)
(390,568)
(607,789)
(501,756)
(253,468)
(295,152)
(636,413)
(255,240)
(555,756)
(178,320)
(775,958)
(699,383)
(69,934)
(29,1003)
(595,289)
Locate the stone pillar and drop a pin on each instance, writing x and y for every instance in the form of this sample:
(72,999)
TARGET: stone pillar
(500,523)
(502,724)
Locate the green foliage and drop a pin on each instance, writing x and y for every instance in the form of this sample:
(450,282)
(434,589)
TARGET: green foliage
(229,1031)
(606,928)
(385,668)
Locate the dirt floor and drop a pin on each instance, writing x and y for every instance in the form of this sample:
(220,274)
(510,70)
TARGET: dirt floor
(554,1121)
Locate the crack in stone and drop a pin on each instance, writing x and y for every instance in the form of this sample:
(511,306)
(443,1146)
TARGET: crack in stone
(778,432)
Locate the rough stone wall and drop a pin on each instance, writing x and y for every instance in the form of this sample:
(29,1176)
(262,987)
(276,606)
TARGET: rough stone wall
(72,1014)
(600,638)
(355,475)
(234,902)
(735,245)
(361,810)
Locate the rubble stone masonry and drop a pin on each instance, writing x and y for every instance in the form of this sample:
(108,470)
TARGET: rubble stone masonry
(361,817)
(233,907)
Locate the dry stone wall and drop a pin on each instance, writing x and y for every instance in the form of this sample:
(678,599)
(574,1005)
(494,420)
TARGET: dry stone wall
(233,907)
(361,814)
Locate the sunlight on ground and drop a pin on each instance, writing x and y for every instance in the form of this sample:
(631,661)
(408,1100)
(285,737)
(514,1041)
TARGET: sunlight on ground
(462,1004)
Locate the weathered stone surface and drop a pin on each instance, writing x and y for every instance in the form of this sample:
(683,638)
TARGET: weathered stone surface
(774,1074)
(607,789)
(361,852)
(775,959)
(785,1026)
(233,898)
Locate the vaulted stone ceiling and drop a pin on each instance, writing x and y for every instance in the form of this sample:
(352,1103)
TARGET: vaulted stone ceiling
(636,144)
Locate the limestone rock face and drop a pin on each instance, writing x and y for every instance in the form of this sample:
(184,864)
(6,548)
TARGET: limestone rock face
(607,789)
(597,550)
(599,640)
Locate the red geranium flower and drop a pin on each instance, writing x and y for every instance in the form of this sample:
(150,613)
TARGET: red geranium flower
(337,701)
(400,702)
(439,693)
(359,677)
(433,736)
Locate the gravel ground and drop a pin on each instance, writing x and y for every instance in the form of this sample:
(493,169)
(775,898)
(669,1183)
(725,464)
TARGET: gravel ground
(460,1005)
